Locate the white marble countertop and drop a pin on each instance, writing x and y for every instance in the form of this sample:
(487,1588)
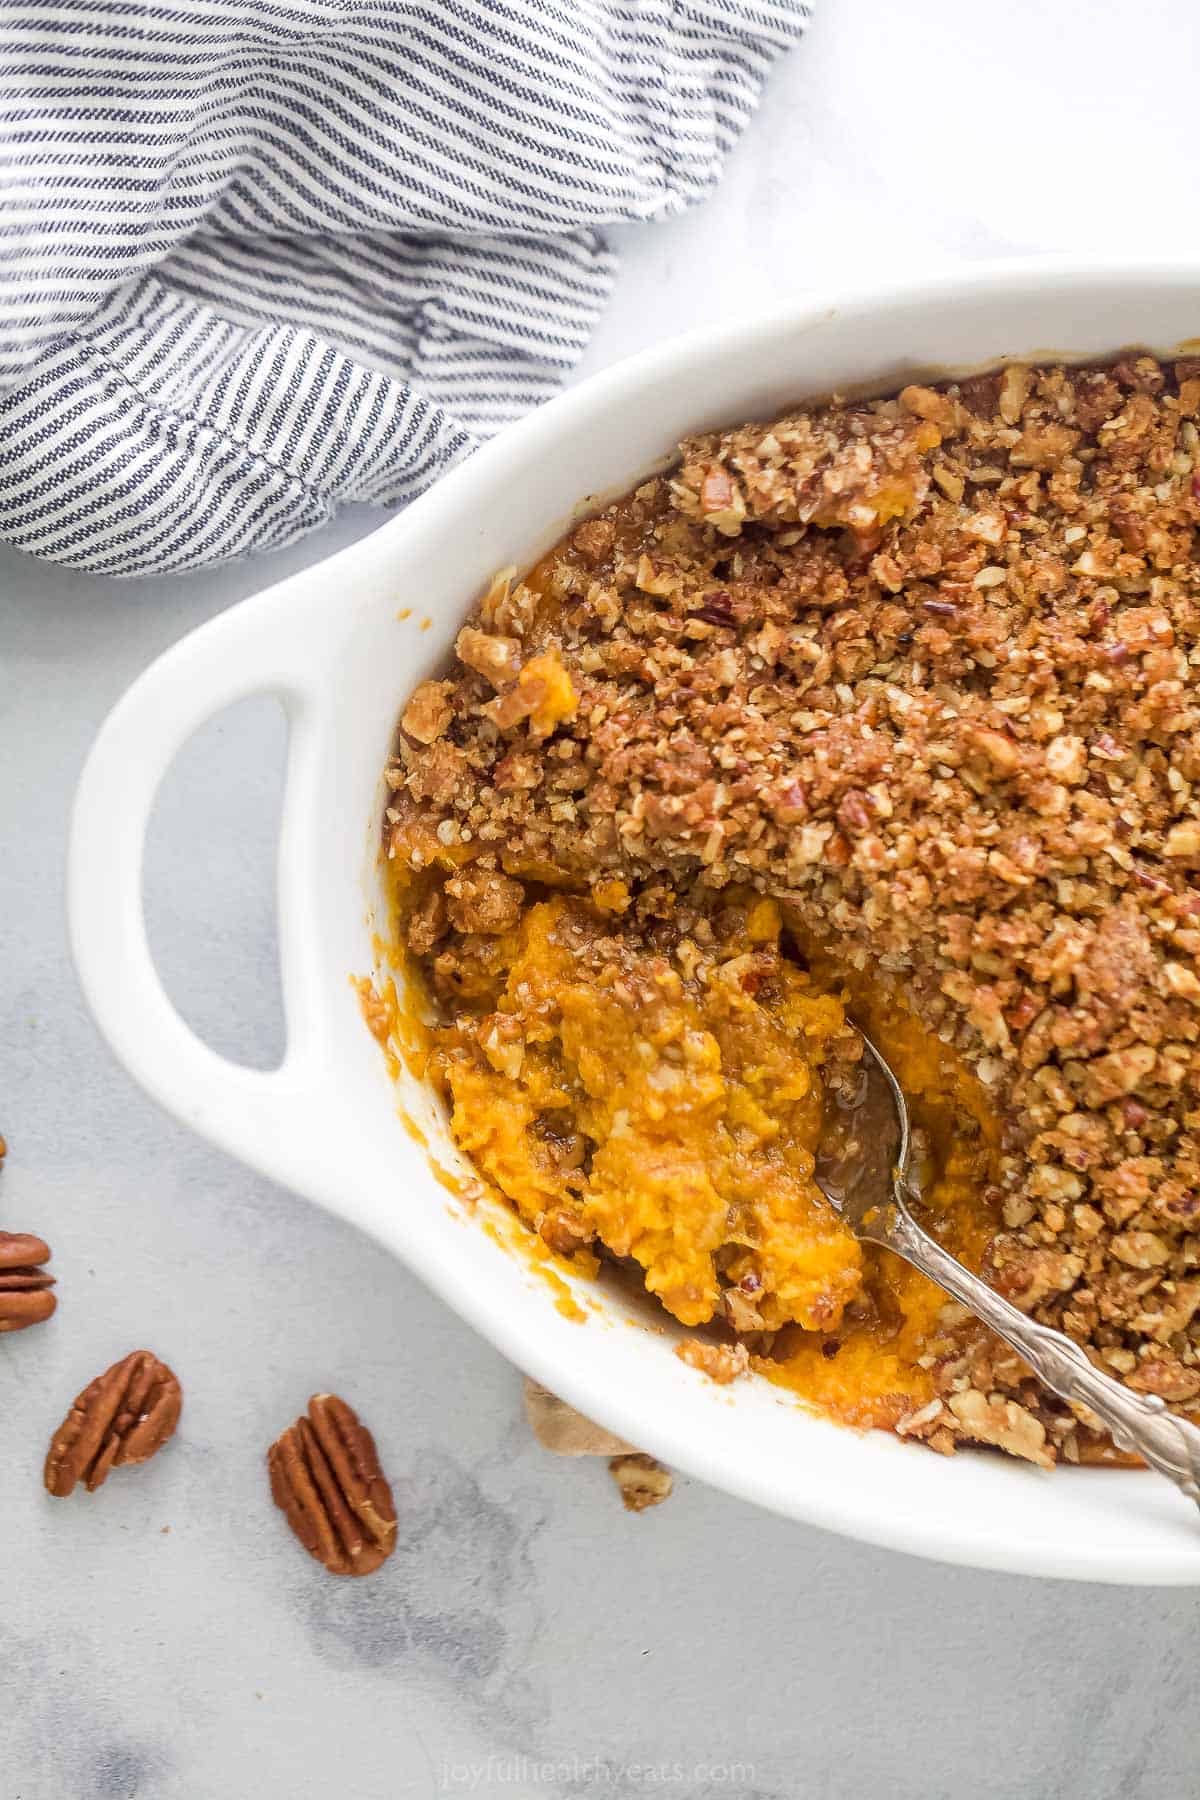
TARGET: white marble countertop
(167,1638)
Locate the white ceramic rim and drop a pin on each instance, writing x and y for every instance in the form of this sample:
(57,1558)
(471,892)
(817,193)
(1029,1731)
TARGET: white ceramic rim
(285,1122)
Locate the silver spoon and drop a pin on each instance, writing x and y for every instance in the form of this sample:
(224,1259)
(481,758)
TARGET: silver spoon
(863,1169)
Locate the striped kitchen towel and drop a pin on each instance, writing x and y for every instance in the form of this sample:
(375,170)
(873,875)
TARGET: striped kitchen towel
(258,257)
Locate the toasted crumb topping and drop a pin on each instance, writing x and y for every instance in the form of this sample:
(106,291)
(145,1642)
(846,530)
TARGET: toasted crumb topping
(923,669)
(722,1363)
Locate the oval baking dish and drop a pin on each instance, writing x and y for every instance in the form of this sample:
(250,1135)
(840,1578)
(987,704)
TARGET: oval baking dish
(341,644)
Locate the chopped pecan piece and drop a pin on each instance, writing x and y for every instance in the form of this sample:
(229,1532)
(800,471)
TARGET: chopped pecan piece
(326,1480)
(564,1231)
(429,711)
(1166,1377)
(125,1416)
(716,491)
(594,538)
(642,1481)
(1183,840)
(722,1363)
(25,1297)
(997,750)
(854,811)
(1003,1423)
(496,658)
(484,901)
(716,610)
(428,922)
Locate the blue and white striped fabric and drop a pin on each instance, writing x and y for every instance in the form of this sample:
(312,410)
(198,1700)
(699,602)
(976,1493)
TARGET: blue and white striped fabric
(258,257)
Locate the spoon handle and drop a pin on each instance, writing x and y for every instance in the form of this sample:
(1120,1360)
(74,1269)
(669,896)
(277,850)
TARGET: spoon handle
(1137,1422)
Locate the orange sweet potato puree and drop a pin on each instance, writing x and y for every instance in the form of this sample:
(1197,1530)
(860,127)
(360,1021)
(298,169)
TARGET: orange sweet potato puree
(671,1123)
(703,1114)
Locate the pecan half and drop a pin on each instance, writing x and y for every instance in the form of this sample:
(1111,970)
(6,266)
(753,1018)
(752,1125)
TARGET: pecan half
(642,1481)
(326,1480)
(25,1297)
(124,1416)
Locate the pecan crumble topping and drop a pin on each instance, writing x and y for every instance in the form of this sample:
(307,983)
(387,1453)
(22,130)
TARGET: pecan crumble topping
(920,670)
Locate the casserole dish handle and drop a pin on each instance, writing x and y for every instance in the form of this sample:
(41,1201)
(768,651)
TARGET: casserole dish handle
(266,1117)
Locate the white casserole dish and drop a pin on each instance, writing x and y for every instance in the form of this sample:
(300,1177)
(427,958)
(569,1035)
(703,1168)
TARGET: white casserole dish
(330,644)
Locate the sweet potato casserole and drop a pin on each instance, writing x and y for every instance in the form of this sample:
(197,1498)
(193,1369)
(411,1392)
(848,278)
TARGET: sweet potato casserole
(887,711)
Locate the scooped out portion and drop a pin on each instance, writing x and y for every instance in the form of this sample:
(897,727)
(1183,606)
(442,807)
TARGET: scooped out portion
(647,1081)
(662,1100)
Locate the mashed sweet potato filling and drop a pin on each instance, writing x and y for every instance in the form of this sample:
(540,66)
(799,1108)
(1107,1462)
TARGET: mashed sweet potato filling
(673,1117)
(655,1098)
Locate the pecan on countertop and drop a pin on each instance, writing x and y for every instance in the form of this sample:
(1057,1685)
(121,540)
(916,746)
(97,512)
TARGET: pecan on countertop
(642,1481)
(25,1297)
(326,1480)
(125,1416)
